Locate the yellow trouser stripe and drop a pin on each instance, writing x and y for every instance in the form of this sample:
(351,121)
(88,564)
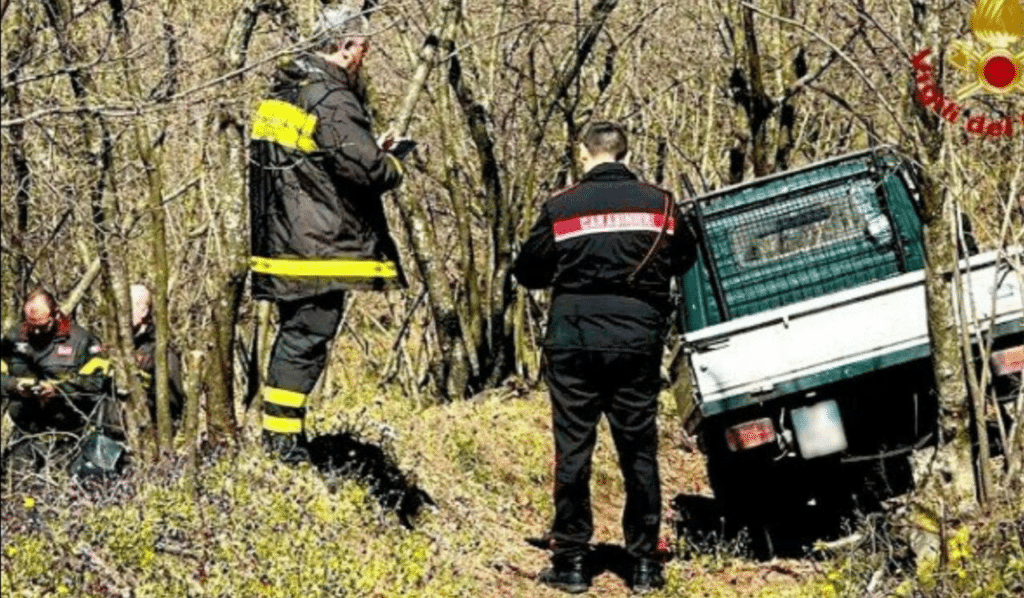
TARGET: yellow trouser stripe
(3,367)
(94,365)
(284,124)
(282,425)
(334,268)
(284,398)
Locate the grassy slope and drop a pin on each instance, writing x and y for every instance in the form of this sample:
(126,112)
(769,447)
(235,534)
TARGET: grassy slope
(254,528)
(246,526)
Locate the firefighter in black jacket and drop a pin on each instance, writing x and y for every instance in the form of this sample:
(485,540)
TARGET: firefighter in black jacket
(54,377)
(144,342)
(608,246)
(318,224)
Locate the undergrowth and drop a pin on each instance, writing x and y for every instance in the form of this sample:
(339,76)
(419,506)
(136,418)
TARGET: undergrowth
(246,526)
(982,557)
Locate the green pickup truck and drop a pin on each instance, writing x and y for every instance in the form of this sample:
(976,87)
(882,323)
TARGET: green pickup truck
(806,336)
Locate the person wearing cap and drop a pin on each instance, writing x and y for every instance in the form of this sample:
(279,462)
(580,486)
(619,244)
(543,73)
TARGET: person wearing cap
(144,341)
(54,375)
(609,247)
(318,228)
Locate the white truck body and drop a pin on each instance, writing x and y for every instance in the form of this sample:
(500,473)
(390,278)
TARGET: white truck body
(806,344)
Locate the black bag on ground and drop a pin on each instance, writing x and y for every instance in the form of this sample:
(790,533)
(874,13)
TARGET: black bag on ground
(100,455)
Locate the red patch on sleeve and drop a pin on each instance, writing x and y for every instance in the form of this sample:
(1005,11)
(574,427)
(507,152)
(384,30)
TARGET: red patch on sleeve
(65,351)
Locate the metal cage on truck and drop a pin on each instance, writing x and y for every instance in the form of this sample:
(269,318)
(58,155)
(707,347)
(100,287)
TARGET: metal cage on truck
(799,235)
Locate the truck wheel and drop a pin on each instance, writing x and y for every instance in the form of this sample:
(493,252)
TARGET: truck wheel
(746,490)
(744,486)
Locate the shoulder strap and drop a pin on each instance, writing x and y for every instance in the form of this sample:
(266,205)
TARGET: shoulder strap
(657,240)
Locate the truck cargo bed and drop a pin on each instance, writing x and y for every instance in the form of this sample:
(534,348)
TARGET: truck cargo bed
(805,345)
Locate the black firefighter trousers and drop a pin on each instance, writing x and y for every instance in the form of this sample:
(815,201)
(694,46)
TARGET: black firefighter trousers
(624,386)
(298,357)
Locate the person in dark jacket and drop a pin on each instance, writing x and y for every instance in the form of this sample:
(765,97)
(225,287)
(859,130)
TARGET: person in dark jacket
(54,377)
(144,341)
(608,247)
(318,224)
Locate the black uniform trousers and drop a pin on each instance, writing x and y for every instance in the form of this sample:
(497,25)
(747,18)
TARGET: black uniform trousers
(299,354)
(624,386)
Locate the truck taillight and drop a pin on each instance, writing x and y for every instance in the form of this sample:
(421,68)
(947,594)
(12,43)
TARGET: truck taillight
(1008,361)
(750,434)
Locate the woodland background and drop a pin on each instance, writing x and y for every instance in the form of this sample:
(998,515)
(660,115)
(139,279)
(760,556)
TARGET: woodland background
(124,126)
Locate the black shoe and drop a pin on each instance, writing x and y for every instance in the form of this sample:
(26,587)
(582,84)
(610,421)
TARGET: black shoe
(289,448)
(568,574)
(647,576)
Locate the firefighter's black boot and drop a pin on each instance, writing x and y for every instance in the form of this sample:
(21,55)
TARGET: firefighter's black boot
(647,576)
(567,573)
(289,448)
(284,434)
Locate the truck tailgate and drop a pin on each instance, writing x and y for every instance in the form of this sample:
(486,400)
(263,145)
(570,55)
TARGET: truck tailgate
(811,343)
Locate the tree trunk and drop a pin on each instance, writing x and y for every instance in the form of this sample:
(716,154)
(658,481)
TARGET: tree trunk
(452,373)
(954,450)
(149,156)
(498,347)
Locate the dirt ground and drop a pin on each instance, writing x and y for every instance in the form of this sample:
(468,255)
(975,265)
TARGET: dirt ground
(510,566)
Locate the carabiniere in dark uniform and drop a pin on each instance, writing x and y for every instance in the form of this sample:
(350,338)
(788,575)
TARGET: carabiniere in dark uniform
(608,247)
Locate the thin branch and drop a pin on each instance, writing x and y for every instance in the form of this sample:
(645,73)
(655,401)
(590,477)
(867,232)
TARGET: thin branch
(856,68)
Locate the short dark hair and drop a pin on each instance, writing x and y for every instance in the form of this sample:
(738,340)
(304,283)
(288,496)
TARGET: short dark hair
(603,137)
(47,296)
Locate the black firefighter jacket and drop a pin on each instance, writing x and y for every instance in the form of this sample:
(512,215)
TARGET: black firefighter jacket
(145,360)
(71,357)
(609,247)
(316,177)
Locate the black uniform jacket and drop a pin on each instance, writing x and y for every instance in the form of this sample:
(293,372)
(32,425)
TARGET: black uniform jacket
(145,360)
(72,357)
(316,176)
(609,247)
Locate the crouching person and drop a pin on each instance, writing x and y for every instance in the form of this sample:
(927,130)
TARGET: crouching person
(55,381)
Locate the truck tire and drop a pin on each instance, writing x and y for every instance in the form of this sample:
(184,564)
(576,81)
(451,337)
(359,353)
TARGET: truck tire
(749,497)
(745,485)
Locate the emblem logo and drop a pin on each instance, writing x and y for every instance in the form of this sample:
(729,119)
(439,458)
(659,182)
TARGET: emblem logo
(998,24)
(21,347)
(65,351)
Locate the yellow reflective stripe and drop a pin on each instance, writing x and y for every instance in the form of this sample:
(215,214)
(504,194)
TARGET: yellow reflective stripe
(398,164)
(284,124)
(283,425)
(334,268)
(94,365)
(284,398)
(3,367)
